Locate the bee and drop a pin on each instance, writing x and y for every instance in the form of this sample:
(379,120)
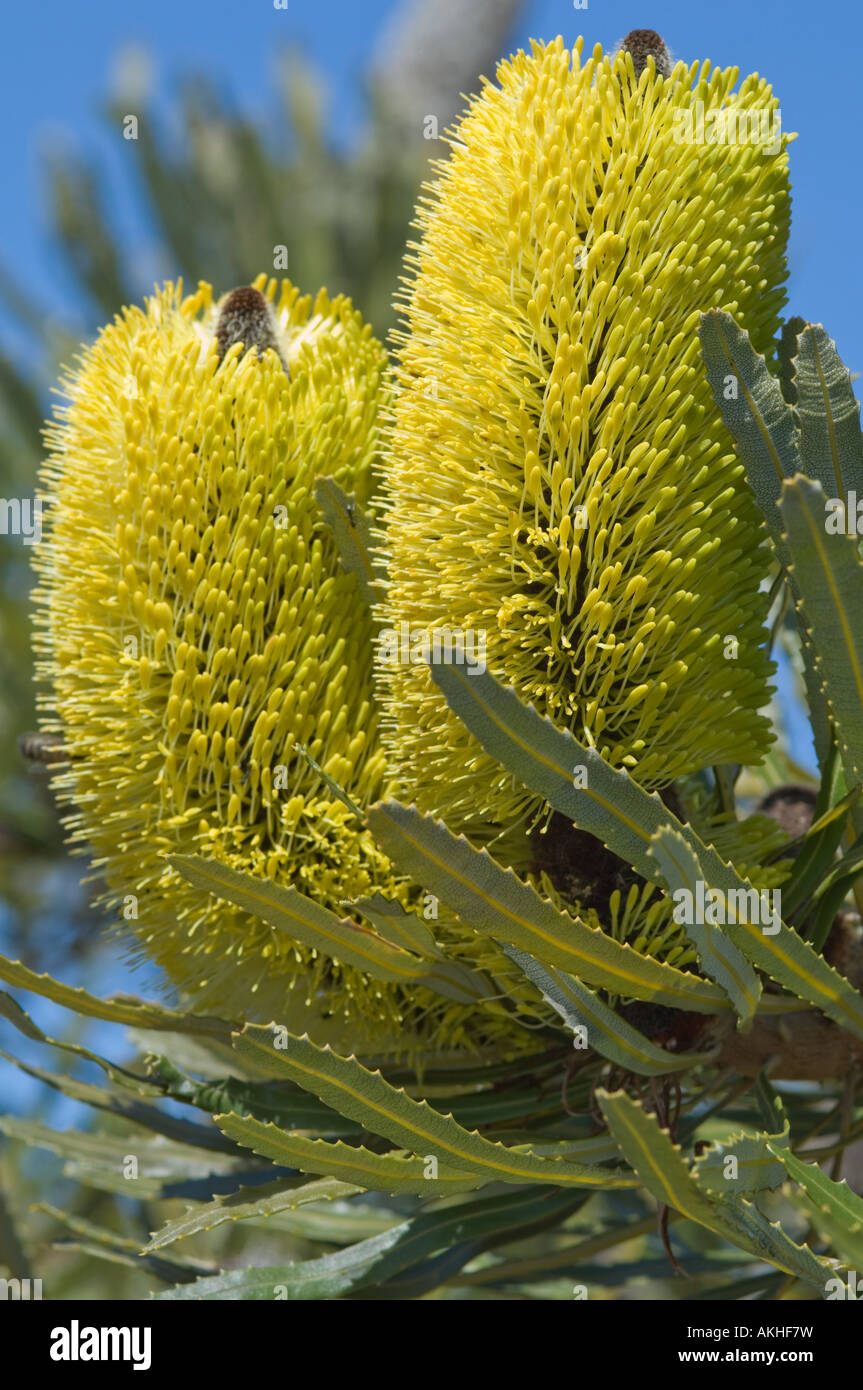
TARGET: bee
(42,748)
(246,317)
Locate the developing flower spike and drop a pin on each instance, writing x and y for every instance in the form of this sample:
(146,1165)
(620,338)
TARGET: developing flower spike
(559,479)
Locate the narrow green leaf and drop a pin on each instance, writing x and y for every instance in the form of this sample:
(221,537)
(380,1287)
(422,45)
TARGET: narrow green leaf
(817,853)
(134,1012)
(662,1169)
(366,1097)
(606,1032)
(753,410)
(168,1271)
(380,1258)
(105,1244)
(390,1173)
(828,575)
(625,817)
(305,920)
(338,792)
(718,957)
(157,1157)
(820,923)
(831,445)
(836,1210)
(844,873)
(13,1255)
(265,1100)
(770,1105)
(126,1107)
(494,901)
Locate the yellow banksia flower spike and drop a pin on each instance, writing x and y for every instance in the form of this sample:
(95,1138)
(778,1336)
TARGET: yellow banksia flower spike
(561,493)
(194,626)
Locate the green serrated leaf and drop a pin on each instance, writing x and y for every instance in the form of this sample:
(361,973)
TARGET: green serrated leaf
(390,1173)
(753,410)
(605,1031)
(412,1125)
(662,1169)
(305,920)
(718,957)
(755,1168)
(494,901)
(837,1211)
(828,575)
(624,816)
(831,445)
(250,1204)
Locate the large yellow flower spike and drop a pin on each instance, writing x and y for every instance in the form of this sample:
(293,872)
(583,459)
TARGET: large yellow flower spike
(195,625)
(562,495)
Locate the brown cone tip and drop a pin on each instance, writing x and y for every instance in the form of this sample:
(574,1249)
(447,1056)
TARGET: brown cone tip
(645,43)
(245,318)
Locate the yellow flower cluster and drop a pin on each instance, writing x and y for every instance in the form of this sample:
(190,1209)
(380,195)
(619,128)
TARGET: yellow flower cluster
(196,629)
(559,481)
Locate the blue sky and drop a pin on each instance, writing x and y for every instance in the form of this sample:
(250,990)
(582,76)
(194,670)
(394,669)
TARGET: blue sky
(60,59)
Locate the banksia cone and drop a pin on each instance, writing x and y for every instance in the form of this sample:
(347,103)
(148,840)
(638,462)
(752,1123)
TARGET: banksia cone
(560,483)
(195,626)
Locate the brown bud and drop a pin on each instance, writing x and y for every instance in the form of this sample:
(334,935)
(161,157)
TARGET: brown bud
(645,43)
(245,317)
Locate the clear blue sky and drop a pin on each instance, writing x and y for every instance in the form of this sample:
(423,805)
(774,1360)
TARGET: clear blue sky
(59,58)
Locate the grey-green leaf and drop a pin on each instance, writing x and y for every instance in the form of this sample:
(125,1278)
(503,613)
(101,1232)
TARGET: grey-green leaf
(598,1026)
(719,958)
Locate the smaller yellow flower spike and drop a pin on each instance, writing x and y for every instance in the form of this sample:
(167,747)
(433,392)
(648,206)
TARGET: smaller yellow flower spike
(562,496)
(194,625)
